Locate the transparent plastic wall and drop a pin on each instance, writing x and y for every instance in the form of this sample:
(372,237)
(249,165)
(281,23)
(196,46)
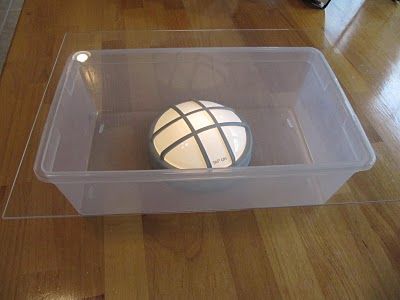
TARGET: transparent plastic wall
(306,147)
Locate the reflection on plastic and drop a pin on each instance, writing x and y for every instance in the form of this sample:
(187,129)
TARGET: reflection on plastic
(82,56)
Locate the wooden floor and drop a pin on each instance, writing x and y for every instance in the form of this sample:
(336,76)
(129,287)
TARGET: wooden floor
(335,252)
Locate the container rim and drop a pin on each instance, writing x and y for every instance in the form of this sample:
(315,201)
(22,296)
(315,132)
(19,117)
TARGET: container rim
(201,174)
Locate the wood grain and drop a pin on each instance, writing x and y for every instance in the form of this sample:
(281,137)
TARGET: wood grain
(335,252)
(124,258)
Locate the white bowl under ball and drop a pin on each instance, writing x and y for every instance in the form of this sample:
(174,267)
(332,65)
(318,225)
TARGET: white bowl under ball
(200,134)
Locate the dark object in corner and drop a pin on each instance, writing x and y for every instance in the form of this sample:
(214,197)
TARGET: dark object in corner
(321,4)
(318,3)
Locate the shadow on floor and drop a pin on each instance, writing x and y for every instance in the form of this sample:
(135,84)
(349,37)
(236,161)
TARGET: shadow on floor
(9,14)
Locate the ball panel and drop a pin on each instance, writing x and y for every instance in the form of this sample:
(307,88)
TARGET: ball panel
(187,107)
(215,148)
(170,135)
(224,116)
(200,119)
(186,155)
(210,104)
(237,139)
(166,117)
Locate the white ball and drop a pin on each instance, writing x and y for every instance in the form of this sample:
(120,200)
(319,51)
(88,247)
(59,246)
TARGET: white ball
(200,134)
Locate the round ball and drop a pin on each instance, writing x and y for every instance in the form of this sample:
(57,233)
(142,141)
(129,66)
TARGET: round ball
(200,134)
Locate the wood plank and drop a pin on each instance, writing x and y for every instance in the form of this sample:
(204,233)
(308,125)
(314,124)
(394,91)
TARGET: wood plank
(186,258)
(124,258)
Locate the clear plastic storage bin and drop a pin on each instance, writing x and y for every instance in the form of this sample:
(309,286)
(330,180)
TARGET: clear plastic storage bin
(94,148)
